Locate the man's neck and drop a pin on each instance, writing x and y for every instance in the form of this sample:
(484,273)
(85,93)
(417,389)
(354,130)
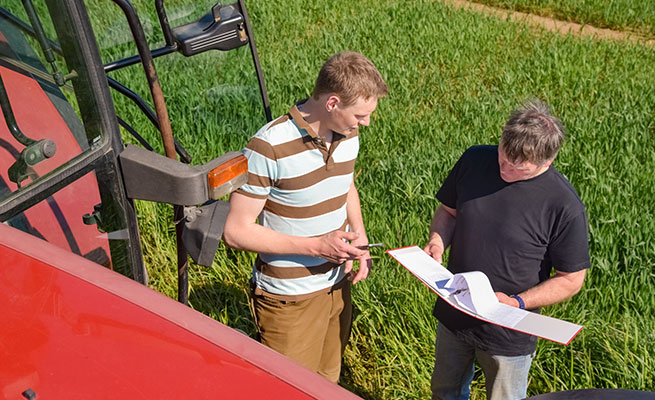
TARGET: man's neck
(315,114)
(543,169)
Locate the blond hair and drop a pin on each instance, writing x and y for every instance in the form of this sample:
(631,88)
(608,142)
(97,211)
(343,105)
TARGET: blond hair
(350,76)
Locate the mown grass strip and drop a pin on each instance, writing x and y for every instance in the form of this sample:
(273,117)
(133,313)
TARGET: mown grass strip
(554,25)
(635,16)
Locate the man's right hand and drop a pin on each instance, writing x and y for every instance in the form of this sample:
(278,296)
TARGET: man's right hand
(434,250)
(441,231)
(334,247)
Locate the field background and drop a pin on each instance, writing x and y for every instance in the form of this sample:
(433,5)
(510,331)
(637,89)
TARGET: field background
(454,76)
(625,15)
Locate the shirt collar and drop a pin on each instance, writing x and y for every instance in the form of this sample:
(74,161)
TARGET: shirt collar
(300,121)
(302,124)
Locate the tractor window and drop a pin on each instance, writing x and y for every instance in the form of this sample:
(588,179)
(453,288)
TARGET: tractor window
(42,129)
(77,219)
(58,173)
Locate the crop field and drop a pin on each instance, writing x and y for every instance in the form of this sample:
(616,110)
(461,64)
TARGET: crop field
(637,16)
(453,77)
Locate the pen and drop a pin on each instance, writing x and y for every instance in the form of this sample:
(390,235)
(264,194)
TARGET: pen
(368,246)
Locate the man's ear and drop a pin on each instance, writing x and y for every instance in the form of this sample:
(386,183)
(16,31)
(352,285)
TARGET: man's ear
(550,161)
(332,102)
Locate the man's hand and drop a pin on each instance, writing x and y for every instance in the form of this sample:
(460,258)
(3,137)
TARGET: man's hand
(559,287)
(365,262)
(441,232)
(335,248)
(505,299)
(434,250)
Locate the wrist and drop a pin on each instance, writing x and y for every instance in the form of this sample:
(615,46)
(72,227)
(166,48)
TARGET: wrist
(519,300)
(313,246)
(361,239)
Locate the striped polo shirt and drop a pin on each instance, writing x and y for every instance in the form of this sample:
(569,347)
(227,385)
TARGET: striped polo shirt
(305,185)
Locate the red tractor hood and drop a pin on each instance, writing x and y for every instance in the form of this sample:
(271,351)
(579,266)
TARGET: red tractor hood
(72,329)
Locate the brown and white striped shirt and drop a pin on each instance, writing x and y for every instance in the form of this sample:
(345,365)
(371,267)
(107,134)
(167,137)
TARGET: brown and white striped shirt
(305,185)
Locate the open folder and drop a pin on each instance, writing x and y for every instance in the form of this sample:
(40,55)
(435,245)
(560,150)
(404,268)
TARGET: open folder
(471,293)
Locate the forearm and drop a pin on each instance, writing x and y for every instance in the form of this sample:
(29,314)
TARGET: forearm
(242,232)
(259,239)
(354,212)
(442,228)
(558,288)
(356,223)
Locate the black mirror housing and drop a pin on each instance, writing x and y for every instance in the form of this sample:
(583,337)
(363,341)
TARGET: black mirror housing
(220,29)
(203,230)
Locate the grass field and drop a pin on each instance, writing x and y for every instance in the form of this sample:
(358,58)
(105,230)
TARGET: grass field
(636,16)
(453,76)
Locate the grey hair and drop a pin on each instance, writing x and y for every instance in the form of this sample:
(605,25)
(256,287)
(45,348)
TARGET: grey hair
(532,134)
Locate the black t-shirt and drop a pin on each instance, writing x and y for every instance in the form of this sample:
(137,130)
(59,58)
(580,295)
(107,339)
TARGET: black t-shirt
(515,233)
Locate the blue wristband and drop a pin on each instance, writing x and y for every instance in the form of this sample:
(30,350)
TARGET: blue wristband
(520,300)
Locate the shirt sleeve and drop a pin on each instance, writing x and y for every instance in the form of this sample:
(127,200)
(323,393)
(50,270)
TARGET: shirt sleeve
(262,168)
(569,249)
(447,194)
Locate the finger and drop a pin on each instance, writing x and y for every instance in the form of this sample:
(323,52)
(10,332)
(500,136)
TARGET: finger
(434,255)
(335,259)
(347,235)
(351,275)
(348,267)
(360,275)
(350,255)
(356,251)
(364,269)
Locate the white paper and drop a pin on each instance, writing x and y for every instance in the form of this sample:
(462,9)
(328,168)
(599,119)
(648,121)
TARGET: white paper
(471,293)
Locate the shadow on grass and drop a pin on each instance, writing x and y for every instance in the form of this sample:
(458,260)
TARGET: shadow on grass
(229,302)
(225,303)
(348,374)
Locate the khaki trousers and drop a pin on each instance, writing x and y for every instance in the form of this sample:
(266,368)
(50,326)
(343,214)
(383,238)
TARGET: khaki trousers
(313,332)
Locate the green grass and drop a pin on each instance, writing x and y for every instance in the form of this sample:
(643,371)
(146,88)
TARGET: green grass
(636,16)
(453,76)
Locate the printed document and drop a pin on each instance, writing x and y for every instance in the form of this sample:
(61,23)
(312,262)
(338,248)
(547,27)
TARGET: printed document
(471,293)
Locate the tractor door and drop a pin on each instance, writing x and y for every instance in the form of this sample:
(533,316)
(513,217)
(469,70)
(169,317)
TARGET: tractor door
(59,140)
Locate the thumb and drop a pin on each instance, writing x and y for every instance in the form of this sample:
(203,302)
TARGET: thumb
(348,235)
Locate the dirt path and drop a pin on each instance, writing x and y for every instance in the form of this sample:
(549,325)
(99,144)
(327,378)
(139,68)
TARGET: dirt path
(550,24)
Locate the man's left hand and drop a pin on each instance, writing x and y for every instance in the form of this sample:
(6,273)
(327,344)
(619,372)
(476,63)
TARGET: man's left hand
(365,262)
(505,299)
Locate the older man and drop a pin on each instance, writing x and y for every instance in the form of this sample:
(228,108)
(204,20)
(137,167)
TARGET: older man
(506,211)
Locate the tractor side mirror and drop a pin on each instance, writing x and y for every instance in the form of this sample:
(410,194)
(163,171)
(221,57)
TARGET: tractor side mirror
(203,230)
(220,29)
(153,177)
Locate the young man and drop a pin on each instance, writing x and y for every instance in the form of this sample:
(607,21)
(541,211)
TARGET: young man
(506,211)
(300,184)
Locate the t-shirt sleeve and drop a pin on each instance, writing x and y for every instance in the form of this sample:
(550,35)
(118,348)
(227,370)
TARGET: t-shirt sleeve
(447,194)
(569,249)
(262,169)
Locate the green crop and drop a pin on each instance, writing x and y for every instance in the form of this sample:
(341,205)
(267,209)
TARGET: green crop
(453,76)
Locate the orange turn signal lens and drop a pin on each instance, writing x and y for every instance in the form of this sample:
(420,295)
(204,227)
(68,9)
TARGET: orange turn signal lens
(227,171)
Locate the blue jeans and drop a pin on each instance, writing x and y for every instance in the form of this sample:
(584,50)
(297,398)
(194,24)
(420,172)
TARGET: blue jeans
(506,377)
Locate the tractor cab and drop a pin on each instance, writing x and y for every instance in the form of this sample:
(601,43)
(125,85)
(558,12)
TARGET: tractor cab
(65,175)
(59,176)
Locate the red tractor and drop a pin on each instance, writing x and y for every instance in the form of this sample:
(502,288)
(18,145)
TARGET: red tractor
(77,320)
